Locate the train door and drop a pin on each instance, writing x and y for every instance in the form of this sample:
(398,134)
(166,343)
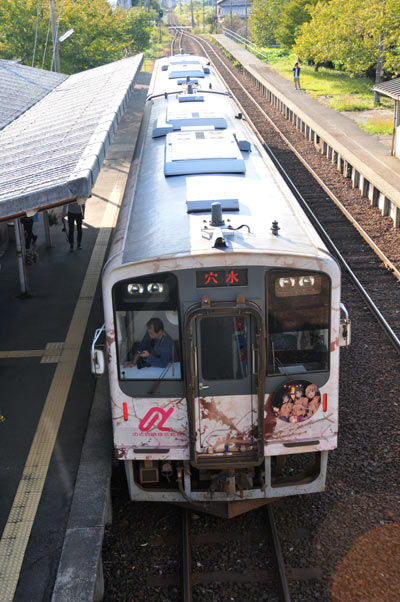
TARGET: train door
(226,401)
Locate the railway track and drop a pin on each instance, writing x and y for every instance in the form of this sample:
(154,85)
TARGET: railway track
(258,559)
(373,272)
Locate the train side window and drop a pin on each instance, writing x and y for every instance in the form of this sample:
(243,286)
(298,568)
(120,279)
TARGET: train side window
(147,328)
(298,321)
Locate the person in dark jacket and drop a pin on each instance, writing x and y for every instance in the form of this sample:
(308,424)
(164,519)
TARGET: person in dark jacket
(75,214)
(155,348)
(27,222)
(296,76)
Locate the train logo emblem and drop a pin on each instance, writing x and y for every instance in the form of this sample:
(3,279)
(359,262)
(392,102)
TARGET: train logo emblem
(152,416)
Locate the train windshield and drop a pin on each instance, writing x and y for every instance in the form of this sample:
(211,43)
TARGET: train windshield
(298,321)
(147,328)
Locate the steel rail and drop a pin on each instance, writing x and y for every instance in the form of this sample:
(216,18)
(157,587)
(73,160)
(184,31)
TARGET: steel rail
(278,556)
(388,264)
(187,557)
(394,339)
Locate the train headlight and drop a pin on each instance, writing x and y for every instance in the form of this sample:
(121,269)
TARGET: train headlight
(307,281)
(135,289)
(286,282)
(155,288)
(291,286)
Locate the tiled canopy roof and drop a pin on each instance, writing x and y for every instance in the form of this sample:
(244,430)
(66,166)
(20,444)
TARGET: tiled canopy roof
(21,87)
(52,152)
(390,88)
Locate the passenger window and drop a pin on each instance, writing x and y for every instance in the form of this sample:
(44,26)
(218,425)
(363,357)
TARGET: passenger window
(147,328)
(298,321)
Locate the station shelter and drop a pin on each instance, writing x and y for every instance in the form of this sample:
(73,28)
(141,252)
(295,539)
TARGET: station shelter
(55,130)
(391,89)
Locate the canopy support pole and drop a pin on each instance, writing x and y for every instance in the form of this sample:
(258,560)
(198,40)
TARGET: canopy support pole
(46,226)
(20,248)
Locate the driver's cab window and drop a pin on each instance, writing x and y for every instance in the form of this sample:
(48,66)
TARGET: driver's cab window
(147,328)
(298,321)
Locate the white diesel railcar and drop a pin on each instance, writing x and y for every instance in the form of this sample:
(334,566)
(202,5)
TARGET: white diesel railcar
(222,311)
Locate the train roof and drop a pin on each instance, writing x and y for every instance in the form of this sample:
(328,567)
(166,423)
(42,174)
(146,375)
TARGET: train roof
(197,151)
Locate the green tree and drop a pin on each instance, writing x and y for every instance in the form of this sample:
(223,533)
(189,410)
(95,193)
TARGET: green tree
(295,14)
(264,19)
(346,32)
(101,34)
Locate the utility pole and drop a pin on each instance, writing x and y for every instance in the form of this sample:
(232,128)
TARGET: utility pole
(230,27)
(378,74)
(160,16)
(191,10)
(55,36)
(245,35)
(203,18)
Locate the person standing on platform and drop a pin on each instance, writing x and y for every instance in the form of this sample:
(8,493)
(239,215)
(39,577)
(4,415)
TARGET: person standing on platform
(296,76)
(27,222)
(75,214)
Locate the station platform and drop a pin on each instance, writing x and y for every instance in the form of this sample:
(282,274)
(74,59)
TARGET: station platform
(357,154)
(56,436)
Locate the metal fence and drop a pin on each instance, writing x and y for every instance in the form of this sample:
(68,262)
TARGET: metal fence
(243,41)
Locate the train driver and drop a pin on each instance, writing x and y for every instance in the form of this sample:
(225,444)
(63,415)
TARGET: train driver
(155,348)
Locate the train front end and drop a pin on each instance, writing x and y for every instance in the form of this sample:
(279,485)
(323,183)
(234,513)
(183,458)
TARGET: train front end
(222,312)
(244,407)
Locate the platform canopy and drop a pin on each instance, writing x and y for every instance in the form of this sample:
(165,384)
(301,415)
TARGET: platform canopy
(390,88)
(55,131)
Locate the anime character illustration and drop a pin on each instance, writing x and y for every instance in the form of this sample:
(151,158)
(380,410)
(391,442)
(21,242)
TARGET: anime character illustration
(296,402)
(314,398)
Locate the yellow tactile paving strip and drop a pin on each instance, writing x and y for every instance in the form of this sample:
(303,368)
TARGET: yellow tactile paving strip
(50,355)
(22,515)
(21,353)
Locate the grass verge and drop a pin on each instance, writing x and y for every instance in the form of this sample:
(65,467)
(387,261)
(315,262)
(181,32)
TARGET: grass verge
(376,125)
(340,90)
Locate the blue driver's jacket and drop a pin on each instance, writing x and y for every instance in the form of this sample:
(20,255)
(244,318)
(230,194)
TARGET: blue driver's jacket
(160,350)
